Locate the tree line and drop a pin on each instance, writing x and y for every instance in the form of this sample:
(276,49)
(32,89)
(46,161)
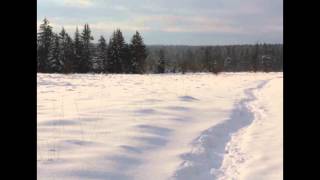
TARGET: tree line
(60,53)
(227,58)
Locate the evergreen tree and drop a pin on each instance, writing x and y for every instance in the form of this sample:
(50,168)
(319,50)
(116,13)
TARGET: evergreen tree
(54,58)
(38,57)
(227,63)
(127,65)
(281,59)
(111,55)
(218,61)
(138,53)
(101,61)
(189,56)
(208,60)
(86,55)
(161,62)
(116,52)
(44,38)
(77,51)
(62,36)
(255,58)
(266,63)
(69,56)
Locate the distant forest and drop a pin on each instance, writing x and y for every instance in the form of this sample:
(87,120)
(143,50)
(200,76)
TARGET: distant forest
(60,53)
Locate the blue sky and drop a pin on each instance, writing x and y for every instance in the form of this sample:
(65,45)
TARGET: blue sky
(187,22)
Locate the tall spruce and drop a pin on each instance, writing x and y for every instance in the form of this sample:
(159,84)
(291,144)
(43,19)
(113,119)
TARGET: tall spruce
(138,53)
(54,64)
(101,60)
(116,52)
(77,51)
(69,63)
(126,57)
(38,58)
(62,37)
(44,38)
(86,55)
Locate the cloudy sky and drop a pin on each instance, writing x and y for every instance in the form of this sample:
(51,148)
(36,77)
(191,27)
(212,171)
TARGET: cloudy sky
(188,22)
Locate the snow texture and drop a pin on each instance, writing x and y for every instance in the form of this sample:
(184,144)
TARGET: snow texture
(170,126)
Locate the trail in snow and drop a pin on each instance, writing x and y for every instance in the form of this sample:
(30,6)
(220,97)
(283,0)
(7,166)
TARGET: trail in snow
(203,162)
(139,127)
(256,152)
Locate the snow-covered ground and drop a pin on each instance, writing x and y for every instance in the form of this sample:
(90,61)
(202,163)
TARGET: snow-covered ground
(170,126)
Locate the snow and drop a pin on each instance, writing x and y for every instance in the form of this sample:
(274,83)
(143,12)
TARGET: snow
(170,126)
(256,152)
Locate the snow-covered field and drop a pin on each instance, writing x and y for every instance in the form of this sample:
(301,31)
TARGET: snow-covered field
(159,127)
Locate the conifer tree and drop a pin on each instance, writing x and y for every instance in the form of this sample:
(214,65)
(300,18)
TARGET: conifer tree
(69,56)
(55,64)
(86,55)
(217,60)
(189,57)
(116,52)
(101,60)
(255,58)
(138,53)
(62,37)
(44,38)
(207,59)
(161,62)
(77,51)
(127,66)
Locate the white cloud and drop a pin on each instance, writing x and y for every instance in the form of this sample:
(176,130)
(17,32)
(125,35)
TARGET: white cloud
(250,19)
(176,23)
(110,26)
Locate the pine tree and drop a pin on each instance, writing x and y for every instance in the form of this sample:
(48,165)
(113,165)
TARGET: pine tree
(266,63)
(138,53)
(44,39)
(207,59)
(77,51)
(161,62)
(116,52)
(62,36)
(218,61)
(69,56)
(127,65)
(101,60)
(255,58)
(112,54)
(54,58)
(38,57)
(86,55)
(189,57)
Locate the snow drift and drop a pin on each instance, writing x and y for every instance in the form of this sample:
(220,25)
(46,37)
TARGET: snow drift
(170,126)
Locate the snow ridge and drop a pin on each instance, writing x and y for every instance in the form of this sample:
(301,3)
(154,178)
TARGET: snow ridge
(206,156)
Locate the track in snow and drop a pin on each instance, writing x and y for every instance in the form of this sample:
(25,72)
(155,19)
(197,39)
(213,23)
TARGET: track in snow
(119,127)
(205,159)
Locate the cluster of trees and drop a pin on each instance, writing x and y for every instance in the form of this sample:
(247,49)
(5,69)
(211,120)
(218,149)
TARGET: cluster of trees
(59,53)
(229,58)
